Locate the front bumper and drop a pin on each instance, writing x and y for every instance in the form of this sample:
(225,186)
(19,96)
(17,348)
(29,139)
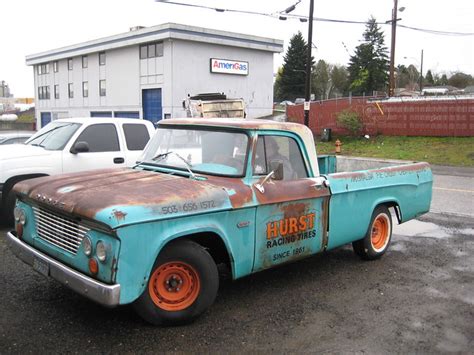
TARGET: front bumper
(107,295)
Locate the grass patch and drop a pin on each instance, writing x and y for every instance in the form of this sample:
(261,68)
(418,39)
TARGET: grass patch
(454,151)
(28,118)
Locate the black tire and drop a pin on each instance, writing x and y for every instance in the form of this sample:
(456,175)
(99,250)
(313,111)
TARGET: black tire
(378,236)
(8,207)
(182,261)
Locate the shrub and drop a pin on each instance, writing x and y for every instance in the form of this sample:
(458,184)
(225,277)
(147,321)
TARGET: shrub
(350,120)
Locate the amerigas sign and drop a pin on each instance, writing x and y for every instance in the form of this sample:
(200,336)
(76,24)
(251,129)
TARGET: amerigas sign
(225,66)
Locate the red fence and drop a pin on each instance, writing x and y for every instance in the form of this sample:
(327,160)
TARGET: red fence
(423,117)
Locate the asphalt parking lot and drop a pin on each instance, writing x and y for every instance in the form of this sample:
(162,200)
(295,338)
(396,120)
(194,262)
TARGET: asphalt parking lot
(419,298)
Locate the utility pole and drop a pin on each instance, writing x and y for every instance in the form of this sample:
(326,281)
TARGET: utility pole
(421,72)
(308,66)
(392,50)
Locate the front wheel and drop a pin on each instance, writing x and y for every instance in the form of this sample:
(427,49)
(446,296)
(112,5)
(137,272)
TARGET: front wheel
(379,234)
(182,285)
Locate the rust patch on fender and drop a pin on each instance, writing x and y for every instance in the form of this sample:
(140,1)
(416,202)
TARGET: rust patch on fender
(119,215)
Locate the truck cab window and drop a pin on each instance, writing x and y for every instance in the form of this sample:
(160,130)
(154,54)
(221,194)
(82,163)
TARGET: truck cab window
(136,136)
(100,137)
(281,149)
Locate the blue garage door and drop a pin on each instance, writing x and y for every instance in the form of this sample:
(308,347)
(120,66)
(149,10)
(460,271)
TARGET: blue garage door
(101,113)
(127,114)
(45,118)
(151,100)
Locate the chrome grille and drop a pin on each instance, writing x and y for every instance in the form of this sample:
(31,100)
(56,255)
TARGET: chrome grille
(63,232)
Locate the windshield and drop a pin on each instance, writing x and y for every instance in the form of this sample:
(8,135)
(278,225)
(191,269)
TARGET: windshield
(202,151)
(54,135)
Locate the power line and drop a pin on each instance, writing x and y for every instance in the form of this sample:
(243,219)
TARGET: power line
(436,32)
(286,14)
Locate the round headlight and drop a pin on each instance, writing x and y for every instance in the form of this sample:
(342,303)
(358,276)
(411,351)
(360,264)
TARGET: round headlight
(100,251)
(22,218)
(16,214)
(87,246)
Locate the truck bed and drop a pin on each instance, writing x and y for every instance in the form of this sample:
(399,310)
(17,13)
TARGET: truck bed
(359,185)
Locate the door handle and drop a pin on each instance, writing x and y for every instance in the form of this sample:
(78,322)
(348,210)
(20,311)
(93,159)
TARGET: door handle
(119,160)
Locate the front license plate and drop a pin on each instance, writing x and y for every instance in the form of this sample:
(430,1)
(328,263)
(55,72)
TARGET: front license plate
(41,266)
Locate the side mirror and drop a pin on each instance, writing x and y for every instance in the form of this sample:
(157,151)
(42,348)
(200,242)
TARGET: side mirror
(277,168)
(79,147)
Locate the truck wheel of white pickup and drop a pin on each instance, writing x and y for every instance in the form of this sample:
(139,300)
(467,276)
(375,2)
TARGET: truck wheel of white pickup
(379,234)
(8,207)
(183,284)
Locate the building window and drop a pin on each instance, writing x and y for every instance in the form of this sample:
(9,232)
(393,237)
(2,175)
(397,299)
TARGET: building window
(102,90)
(56,91)
(151,50)
(55,66)
(85,89)
(84,61)
(69,64)
(43,69)
(143,52)
(101,58)
(159,49)
(70,90)
(43,93)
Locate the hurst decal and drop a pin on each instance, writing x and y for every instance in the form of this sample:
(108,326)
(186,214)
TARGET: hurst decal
(290,230)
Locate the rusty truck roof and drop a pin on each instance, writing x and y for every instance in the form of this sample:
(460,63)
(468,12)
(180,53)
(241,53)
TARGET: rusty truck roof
(235,123)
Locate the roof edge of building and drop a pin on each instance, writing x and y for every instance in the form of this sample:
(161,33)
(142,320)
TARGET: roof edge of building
(158,32)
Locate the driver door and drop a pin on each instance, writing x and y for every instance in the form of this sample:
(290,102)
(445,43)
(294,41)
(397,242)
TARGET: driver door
(291,218)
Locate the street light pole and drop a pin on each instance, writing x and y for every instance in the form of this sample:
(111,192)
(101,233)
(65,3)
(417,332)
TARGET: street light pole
(421,72)
(308,66)
(392,49)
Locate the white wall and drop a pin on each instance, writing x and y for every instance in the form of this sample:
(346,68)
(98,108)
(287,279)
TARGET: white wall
(191,75)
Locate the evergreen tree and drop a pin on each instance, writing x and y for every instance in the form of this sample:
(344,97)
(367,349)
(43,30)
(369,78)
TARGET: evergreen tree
(368,67)
(292,80)
(429,80)
(277,86)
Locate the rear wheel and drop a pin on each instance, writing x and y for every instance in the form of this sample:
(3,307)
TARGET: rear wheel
(182,285)
(378,237)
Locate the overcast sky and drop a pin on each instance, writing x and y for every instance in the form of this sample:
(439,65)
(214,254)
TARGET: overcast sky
(32,26)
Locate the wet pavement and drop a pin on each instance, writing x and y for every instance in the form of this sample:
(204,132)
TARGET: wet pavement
(419,298)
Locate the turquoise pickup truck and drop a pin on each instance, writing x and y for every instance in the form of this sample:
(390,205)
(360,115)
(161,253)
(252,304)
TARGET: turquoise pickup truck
(246,194)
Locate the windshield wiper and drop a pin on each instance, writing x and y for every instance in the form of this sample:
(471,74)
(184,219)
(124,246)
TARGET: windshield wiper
(161,155)
(186,163)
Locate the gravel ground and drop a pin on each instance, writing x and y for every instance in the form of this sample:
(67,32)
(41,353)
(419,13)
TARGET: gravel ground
(419,298)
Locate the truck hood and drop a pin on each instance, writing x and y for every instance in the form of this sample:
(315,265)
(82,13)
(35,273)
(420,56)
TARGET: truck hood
(16,151)
(119,197)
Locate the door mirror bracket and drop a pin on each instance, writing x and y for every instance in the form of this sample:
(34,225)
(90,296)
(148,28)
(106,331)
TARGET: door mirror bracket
(275,174)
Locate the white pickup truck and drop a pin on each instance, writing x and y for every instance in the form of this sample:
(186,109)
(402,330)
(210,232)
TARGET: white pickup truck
(70,145)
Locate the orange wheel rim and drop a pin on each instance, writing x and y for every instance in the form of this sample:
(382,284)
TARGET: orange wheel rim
(380,232)
(174,286)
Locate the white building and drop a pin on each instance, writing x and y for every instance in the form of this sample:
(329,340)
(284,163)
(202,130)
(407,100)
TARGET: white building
(148,72)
